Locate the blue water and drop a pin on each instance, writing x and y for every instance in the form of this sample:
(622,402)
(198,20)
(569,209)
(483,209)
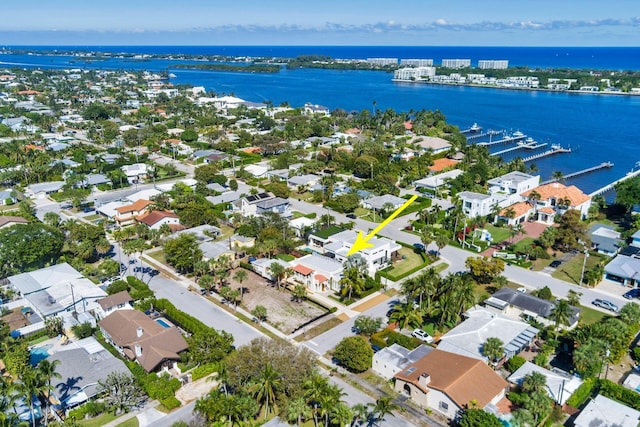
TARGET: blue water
(38,354)
(597,127)
(163,323)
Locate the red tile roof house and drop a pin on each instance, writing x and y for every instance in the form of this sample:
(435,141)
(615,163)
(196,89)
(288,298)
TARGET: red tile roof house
(156,219)
(126,215)
(140,338)
(448,382)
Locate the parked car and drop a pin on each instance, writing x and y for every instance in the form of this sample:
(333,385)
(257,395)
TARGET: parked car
(352,216)
(555,264)
(606,304)
(419,247)
(633,293)
(422,335)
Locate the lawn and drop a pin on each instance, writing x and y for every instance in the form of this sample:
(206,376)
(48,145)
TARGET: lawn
(226,232)
(572,269)
(498,234)
(410,261)
(360,212)
(158,256)
(131,422)
(588,315)
(318,329)
(98,421)
(527,241)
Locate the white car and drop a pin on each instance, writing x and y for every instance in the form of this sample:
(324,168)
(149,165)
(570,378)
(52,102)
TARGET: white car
(422,335)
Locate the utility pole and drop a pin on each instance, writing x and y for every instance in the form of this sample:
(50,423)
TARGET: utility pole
(584,263)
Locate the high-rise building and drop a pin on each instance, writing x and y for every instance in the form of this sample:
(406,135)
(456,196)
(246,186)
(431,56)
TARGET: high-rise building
(456,63)
(495,64)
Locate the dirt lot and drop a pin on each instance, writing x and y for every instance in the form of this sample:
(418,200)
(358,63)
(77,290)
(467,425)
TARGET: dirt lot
(15,319)
(282,313)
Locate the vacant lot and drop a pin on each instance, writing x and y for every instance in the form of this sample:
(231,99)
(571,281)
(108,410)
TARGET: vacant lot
(282,312)
(15,319)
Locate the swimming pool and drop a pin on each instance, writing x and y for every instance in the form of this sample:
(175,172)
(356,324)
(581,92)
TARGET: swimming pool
(164,323)
(38,354)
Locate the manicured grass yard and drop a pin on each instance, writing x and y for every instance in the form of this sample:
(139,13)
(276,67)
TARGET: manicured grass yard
(98,421)
(498,234)
(360,211)
(527,241)
(411,261)
(571,270)
(588,315)
(131,422)
(158,256)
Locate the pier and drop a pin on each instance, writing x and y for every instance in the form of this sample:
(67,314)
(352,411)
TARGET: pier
(531,146)
(611,186)
(602,165)
(487,133)
(505,140)
(555,149)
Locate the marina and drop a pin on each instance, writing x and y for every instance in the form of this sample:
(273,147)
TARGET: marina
(612,185)
(555,149)
(506,140)
(530,145)
(488,133)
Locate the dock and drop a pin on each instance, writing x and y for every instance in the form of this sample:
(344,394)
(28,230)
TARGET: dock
(611,186)
(504,140)
(555,149)
(602,165)
(531,146)
(487,133)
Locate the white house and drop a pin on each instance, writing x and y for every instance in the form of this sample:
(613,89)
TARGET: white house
(118,301)
(390,360)
(317,272)
(257,204)
(377,257)
(135,172)
(262,266)
(386,201)
(475,204)
(560,384)
(604,412)
(436,181)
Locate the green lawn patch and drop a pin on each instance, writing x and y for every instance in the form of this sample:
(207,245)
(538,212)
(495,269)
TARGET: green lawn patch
(286,257)
(131,422)
(372,218)
(92,217)
(319,329)
(498,234)
(324,233)
(226,232)
(572,269)
(522,244)
(410,260)
(158,256)
(589,315)
(419,204)
(98,421)
(360,211)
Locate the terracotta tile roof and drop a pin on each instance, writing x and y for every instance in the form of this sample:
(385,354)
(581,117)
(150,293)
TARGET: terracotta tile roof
(177,227)
(136,206)
(114,300)
(519,208)
(4,220)
(462,378)
(556,190)
(157,343)
(353,131)
(320,278)
(28,92)
(441,164)
(305,271)
(547,210)
(408,125)
(154,216)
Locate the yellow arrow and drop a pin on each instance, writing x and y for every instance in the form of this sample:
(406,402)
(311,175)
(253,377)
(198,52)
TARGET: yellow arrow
(363,242)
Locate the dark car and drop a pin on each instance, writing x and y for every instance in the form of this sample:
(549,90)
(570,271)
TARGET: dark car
(419,247)
(633,293)
(88,209)
(352,216)
(555,264)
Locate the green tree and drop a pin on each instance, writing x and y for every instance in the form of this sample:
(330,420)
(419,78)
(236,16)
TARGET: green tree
(354,353)
(209,345)
(122,392)
(571,232)
(182,252)
(484,269)
(474,417)
(561,315)
(30,387)
(46,369)
(545,293)
(630,314)
(406,315)
(573,298)
(298,410)
(534,381)
(299,292)
(352,282)
(240,276)
(628,192)
(266,387)
(441,241)
(260,312)
(367,325)
(384,406)
(27,247)
(588,357)
(493,349)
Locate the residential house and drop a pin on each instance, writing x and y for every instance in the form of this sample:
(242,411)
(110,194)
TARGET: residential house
(604,412)
(146,194)
(41,190)
(317,272)
(256,170)
(137,337)
(431,144)
(93,179)
(156,219)
(316,109)
(320,237)
(448,383)
(257,204)
(301,224)
(516,213)
(520,305)
(135,172)
(381,254)
(468,337)
(624,270)
(81,366)
(241,242)
(214,250)
(203,232)
(307,181)
(126,215)
(605,239)
(560,385)
(8,197)
(475,204)
(556,198)
(226,198)
(262,266)
(118,301)
(635,239)
(434,182)
(9,221)
(386,202)
(390,360)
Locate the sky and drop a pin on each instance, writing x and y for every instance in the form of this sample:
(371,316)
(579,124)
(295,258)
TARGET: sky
(322,22)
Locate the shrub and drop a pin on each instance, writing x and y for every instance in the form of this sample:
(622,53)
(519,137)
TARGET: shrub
(621,394)
(515,363)
(203,370)
(636,354)
(582,393)
(170,403)
(354,353)
(83,330)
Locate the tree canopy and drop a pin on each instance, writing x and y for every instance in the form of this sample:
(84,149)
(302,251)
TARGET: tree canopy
(25,247)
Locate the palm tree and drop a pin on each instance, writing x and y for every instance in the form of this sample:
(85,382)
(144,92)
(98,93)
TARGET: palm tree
(103,246)
(341,415)
(361,412)
(298,410)
(299,292)
(441,241)
(465,295)
(8,397)
(561,314)
(534,196)
(406,315)
(558,176)
(47,370)
(52,218)
(353,281)
(426,237)
(384,406)
(315,387)
(267,386)
(277,272)
(30,387)
(240,276)
(493,348)
(534,381)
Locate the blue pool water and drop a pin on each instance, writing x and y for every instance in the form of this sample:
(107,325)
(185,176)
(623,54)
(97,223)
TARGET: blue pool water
(163,323)
(37,355)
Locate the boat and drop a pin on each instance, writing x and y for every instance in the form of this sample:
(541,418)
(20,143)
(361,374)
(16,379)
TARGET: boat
(172,76)
(475,128)
(529,141)
(518,134)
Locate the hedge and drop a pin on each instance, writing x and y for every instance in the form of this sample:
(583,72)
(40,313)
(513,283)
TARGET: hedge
(621,394)
(387,337)
(170,403)
(203,370)
(582,393)
(186,321)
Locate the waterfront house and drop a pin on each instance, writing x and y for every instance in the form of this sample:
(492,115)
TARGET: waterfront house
(390,360)
(556,198)
(448,383)
(316,109)
(520,305)
(118,301)
(153,345)
(434,182)
(468,337)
